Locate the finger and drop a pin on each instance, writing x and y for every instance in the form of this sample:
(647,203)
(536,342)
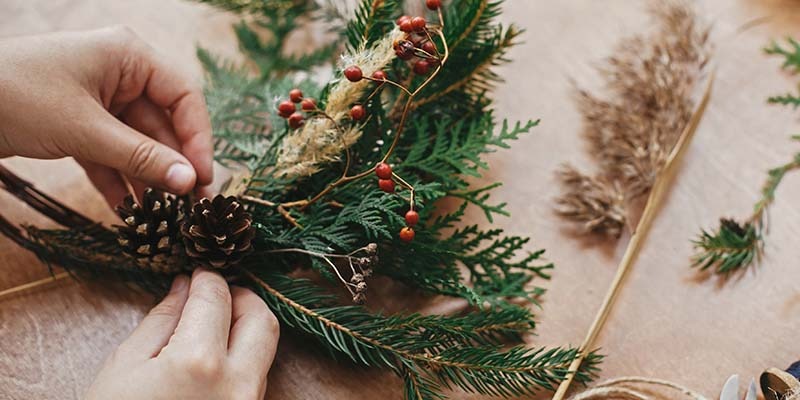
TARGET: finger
(254,334)
(206,319)
(152,120)
(107,181)
(111,143)
(155,330)
(170,89)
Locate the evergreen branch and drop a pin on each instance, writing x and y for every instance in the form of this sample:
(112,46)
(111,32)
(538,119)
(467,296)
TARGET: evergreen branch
(791,54)
(731,247)
(372,20)
(786,100)
(450,361)
(791,61)
(737,245)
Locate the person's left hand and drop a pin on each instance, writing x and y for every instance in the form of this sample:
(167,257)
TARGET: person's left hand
(204,341)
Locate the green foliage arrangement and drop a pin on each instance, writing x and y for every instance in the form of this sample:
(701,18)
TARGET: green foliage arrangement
(315,201)
(735,245)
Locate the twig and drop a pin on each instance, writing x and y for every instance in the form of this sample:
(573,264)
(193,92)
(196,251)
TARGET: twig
(32,285)
(654,200)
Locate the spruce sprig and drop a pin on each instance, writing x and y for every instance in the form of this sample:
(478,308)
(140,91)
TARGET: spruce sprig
(735,245)
(429,352)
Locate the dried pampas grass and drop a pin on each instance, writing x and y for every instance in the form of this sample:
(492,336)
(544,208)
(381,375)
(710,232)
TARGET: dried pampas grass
(320,140)
(593,202)
(632,127)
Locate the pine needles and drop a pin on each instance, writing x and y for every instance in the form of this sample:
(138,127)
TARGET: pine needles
(735,245)
(435,140)
(651,85)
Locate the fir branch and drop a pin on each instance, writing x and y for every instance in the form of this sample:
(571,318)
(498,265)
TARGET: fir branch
(414,347)
(735,245)
(729,248)
(373,19)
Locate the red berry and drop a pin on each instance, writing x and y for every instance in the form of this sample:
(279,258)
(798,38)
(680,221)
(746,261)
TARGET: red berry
(379,75)
(296,95)
(404,49)
(296,120)
(353,73)
(407,26)
(428,47)
(433,4)
(412,218)
(357,113)
(308,105)
(418,23)
(387,185)
(406,234)
(402,18)
(421,67)
(286,108)
(383,170)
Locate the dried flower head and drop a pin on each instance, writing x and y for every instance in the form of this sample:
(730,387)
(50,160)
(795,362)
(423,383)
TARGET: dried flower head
(320,140)
(596,204)
(651,89)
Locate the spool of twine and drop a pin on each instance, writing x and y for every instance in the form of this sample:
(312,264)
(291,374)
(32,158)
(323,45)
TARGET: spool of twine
(781,385)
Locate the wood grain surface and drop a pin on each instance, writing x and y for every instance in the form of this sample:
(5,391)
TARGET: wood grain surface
(669,322)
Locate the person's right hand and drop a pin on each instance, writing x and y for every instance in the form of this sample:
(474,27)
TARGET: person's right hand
(202,342)
(110,101)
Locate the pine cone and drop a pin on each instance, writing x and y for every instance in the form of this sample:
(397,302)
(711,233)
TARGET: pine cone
(151,230)
(218,233)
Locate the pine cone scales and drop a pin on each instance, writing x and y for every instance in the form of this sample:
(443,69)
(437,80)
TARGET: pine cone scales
(218,233)
(151,230)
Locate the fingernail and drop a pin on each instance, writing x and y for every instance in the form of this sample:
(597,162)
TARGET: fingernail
(179,283)
(180,177)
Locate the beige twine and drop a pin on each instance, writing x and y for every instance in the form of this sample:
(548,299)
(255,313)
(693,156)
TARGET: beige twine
(635,388)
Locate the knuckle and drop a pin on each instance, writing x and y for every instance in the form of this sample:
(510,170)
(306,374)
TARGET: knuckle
(204,366)
(142,158)
(124,32)
(271,323)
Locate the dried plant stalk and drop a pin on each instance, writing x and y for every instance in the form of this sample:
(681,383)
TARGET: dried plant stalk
(320,141)
(651,90)
(594,202)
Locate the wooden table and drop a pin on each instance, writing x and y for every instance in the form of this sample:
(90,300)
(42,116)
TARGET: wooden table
(669,322)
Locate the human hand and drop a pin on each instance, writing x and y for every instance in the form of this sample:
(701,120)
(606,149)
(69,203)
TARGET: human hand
(107,99)
(201,342)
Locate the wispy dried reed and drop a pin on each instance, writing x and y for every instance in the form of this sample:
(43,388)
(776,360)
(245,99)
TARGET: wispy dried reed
(651,86)
(320,140)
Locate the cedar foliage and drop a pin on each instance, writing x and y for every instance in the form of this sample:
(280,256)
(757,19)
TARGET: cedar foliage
(452,126)
(735,244)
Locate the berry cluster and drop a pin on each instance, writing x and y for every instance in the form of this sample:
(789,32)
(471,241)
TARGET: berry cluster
(354,74)
(288,108)
(418,46)
(419,49)
(386,183)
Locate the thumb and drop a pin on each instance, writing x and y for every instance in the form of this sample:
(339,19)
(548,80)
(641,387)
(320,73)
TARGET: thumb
(116,145)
